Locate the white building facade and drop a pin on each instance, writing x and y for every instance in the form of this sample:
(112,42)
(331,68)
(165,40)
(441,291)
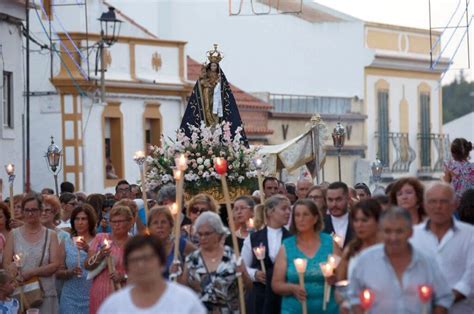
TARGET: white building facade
(145,85)
(12,14)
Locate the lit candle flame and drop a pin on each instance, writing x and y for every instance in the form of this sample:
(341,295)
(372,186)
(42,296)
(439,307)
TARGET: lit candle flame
(10,168)
(366,298)
(18,259)
(338,240)
(180,162)
(300,265)
(326,269)
(334,260)
(250,223)
(174,209)
(259,252)
(425,293)
(106,243)
(258,163)
(139,154)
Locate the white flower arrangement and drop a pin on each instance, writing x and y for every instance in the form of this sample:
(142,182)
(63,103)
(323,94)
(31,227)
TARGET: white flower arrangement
(201,149)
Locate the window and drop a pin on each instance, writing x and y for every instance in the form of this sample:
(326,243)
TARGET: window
(425,130)
(7,101)
(113,144)
(152,125)
(383,126)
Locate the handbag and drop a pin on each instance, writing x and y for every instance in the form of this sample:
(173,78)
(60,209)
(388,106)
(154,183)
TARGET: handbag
(31,292)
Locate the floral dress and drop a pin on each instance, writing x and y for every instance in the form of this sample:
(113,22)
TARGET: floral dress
(219,290)
(462,175)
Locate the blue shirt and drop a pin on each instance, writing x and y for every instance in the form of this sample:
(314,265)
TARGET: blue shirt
(374,271)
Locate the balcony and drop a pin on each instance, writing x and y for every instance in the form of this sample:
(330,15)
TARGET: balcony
(398,156)
(433,147)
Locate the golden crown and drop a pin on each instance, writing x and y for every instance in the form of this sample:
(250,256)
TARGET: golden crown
(215,56)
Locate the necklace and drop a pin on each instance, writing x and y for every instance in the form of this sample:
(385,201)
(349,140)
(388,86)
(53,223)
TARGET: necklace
(213,259)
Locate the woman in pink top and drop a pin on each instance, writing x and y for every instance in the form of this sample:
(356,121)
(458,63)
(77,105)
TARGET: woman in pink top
(104,282)
(459,171)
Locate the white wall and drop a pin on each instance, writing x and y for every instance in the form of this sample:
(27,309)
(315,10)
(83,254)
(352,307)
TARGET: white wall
(11,60)
(461,127)
(277,53)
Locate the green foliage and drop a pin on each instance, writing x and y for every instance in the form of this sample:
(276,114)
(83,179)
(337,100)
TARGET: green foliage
(458,98)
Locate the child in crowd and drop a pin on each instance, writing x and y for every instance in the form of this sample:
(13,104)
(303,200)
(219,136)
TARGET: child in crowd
(8,305)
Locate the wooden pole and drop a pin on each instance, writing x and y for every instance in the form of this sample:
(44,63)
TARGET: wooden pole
(12,206)
(143,180)
(260,186)
(111,269)
(235,244)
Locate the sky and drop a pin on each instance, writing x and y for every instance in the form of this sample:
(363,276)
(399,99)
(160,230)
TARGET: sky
(415,13)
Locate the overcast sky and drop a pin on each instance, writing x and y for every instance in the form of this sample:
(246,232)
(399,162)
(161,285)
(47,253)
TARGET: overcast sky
(415,13)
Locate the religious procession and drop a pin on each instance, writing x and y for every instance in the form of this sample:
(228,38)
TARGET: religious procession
(140,180)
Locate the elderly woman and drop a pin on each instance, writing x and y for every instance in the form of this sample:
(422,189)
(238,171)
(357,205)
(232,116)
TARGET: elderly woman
(40,250)
(311,244)
(105,280)
(276,211)
(50,216)
(243,211)
(198,204)
(75,291)
(160,225)
(212,270)
(407,193)
(137,226)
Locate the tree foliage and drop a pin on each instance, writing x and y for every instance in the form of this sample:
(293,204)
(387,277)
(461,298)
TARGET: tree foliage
(458,98)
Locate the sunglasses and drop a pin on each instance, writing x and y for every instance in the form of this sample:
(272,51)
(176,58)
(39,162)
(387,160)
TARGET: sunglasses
(197,210)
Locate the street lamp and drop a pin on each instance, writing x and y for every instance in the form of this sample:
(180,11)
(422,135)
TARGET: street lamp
(377,168)
(109,32)
(10,169)
(338,138)
(53,160)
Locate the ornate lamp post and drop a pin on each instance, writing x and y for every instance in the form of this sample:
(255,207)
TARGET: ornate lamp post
(338,138)
(53,160)
(109,32)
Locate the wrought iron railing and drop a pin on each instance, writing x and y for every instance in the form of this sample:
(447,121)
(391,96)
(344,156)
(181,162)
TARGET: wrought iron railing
(401,154)
(433,145)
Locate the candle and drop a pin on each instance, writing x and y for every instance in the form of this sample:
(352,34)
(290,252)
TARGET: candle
(338,240)
(181,162)
(107,243)
(327,270)
(110,264)
(18,259)
(10,168)
(221,165)
(177,174)
(425,292)
(77,240)
(259,252)
(250,224)
(300,265)
(258,166)
(334,260)
(175,211)
(366,298)
(139,155)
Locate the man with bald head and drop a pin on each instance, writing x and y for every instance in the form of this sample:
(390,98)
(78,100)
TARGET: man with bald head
(449,242)
(302,188)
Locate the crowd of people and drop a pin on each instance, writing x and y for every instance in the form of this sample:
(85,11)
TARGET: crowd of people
(408,250)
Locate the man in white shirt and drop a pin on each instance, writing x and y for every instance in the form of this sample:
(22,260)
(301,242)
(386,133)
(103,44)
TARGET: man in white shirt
(450,243)
(149,292)
(394,271)
(338,222)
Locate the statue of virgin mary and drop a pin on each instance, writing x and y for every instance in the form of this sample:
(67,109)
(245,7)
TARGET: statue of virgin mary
(212,100)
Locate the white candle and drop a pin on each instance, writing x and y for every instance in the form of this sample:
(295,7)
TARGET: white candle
(327,270)
(259,252)
(338,240)
(18,259)
(138,155)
